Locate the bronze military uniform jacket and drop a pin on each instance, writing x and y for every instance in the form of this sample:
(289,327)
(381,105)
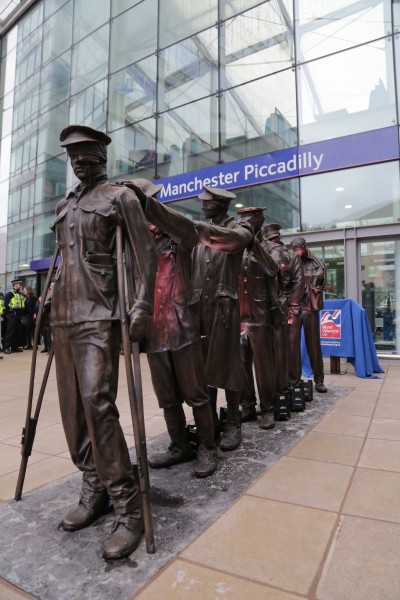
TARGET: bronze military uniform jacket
(216,267)
(175,322)
(314,275)
(256,286)
(86,279)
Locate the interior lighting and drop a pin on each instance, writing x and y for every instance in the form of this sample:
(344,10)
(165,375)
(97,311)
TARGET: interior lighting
(348,206)
(339,189)
(238,205)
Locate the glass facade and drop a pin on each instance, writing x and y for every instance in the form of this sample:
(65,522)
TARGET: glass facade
(184,87)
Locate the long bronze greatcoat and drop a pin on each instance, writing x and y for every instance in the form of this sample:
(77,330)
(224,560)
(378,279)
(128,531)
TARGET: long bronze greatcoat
(314,275)
(216,267)
(86,280)
(175,322)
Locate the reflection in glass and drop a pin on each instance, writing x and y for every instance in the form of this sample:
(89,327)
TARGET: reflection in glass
(30,21)
(50,183)
(181,19)
(327,27)
(90,60)
(347,93)
(333,256)
(259,117)
(50,6)
(188,70)
(24,148)
(229,8)
(54,84)
(132,152)
(188,138)
(26,101)
(362,196)
(380,274)
(88,16)
(126,47)
(58,33)
(257,43)
(280,198)
(90,106)
(119,6)
(50,125)
(19,245)
(43,238)
(133,93)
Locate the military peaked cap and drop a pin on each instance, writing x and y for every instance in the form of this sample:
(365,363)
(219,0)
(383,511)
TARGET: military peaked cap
(271,230)
(251,210)
(76,134)
(216,194)
(148,187)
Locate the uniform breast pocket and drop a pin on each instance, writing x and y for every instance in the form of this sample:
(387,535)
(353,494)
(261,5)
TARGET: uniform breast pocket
(102,283)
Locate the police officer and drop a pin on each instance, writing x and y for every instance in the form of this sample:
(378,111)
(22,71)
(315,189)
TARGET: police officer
(85,322)
(14,305)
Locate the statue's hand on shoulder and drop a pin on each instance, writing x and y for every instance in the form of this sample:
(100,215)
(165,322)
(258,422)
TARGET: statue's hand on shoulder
(139,324)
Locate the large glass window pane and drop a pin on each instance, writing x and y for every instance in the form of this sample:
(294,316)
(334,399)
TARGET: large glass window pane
(188,70)
(281,200)
(58,33)
(396,14)
(347,93)
(90,60)
(26,101)
(119,6)
(19,245)
(44,238)
(24,149)
(32,19)
(134,34)
(347,198)
(259,117)
(50,6)
(230,8)
(29,65)
(183,19)
(333,256)
(88,16)
(50,184)
(257,43)
(54,84)
(188,137)
(132,151)
(133,93)
(90,106)
(380,275)
(327,27)
(50,126)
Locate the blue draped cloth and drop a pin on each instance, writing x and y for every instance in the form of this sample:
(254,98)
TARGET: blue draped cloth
(345,331)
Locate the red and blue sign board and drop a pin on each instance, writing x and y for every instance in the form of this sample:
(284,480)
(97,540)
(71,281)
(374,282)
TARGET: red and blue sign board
(330,325)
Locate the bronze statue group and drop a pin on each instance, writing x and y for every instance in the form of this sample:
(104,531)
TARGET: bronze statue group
(209,300)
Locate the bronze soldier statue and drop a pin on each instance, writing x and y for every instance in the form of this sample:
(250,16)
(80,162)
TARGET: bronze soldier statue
(312,302)
(173,344)
(216,267)
(85,321)
(292,277)
(256,286)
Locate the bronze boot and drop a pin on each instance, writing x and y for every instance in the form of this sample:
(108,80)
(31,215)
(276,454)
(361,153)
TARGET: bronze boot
(92,505)
(126,533)
(206,461)
(232,433)
(179,450)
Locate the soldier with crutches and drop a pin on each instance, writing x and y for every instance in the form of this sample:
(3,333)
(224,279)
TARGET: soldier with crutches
(85,320)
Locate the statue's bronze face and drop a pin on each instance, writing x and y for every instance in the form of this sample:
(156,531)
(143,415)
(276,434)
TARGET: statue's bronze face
(301,251)
(256,220)
(214,208)
(86,161)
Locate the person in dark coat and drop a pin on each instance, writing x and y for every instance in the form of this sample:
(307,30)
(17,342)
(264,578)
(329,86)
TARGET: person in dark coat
(173,343)
(256,286)
(14,308)
(216,267)
(86,331)
(312,302)
(29,322)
